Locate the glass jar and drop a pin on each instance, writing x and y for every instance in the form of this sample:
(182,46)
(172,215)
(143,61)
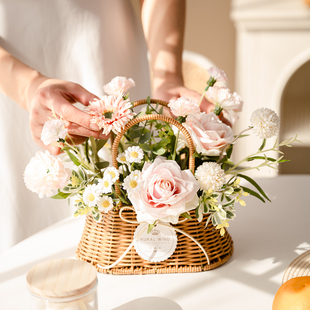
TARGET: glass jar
(64,284)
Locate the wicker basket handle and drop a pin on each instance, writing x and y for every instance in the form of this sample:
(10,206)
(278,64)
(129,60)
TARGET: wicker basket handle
(164,118)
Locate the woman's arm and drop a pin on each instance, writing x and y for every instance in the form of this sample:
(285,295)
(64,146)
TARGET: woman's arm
(163,24)
(40,95)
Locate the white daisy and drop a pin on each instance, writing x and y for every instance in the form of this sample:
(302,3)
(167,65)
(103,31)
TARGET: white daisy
(105,184)
(136,174)
(210,175)
(91,195)
(121,158)
(113,172)
(134,154)
(132,183)
(265,122)
(105,204)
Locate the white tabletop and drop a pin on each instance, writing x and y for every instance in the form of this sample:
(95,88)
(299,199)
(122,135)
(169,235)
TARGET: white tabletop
(267,237)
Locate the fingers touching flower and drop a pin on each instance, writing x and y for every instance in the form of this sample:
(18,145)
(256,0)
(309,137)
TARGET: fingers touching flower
(53,132)
(118,86)
(224,100)
(45,174)
(210,175)
(110,113)
(132,182)
(113,172)
(105,204)
(209,134)
(134,154)
(166,192)
(265,122)
(91,195)
(183,106)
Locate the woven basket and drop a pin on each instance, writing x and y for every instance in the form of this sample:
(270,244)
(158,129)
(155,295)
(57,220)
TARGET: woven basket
(103,243)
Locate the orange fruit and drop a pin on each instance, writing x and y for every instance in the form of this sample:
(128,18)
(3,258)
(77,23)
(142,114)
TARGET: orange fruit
(293,295)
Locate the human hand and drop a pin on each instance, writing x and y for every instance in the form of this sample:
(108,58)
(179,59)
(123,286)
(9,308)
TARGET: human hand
(173,89)
(45,95)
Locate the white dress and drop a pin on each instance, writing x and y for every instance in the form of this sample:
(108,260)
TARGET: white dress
(87,42)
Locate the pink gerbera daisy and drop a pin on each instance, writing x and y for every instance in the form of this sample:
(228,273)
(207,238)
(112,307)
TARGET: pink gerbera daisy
(110,113)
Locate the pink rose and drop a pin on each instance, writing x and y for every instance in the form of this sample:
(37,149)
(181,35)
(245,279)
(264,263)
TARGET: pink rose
(209,134)
(166,192)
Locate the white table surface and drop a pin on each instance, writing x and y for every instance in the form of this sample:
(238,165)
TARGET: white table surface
(267,237)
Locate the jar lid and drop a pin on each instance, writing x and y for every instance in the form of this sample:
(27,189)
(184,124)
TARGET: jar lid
(61,278)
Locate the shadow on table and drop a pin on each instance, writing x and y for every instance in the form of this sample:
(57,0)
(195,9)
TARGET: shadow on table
(150,303)
(22,270)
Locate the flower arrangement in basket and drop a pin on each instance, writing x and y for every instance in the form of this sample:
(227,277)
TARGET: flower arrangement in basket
(173,172)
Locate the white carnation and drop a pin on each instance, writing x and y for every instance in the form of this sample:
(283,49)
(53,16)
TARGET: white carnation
(183,106)
(265,122)
(45,174)
(53,131)
(118,86)
(210,175)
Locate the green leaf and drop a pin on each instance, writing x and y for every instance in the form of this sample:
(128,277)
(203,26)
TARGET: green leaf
(250,180)
(253,193)
(145,137)
(186,215)
(229,151)
(160,151)
(150,227)
(61,195)
(102,164)
(145,147)
(263,145)
(73,158)
(100,144)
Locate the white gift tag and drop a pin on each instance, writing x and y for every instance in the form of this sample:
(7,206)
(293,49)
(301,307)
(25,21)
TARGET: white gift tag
(156,246)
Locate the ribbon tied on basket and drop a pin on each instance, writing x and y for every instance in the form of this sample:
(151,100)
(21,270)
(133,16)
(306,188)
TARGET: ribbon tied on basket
(135,238)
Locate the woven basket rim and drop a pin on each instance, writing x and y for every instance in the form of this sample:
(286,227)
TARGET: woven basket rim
(299,267)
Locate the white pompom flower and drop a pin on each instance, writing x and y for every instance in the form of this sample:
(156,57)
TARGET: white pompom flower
(45,174)
(113,172)
(183,106)
(210,175)
(265,122)
(105,204)
(134,154)
(53,132)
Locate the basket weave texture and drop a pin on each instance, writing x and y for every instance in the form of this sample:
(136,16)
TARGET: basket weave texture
(103,243)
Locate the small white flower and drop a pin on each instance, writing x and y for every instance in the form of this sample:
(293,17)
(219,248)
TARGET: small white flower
(210,175)
(45,174)
(217,74)
(91,195)
(53,131)
(113,172)
(118,86)
(132,182)
(121,158)
(183,106)
(229,102)
(105,184)
(105,204)
(134,154)
(136,173)
(265,122)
